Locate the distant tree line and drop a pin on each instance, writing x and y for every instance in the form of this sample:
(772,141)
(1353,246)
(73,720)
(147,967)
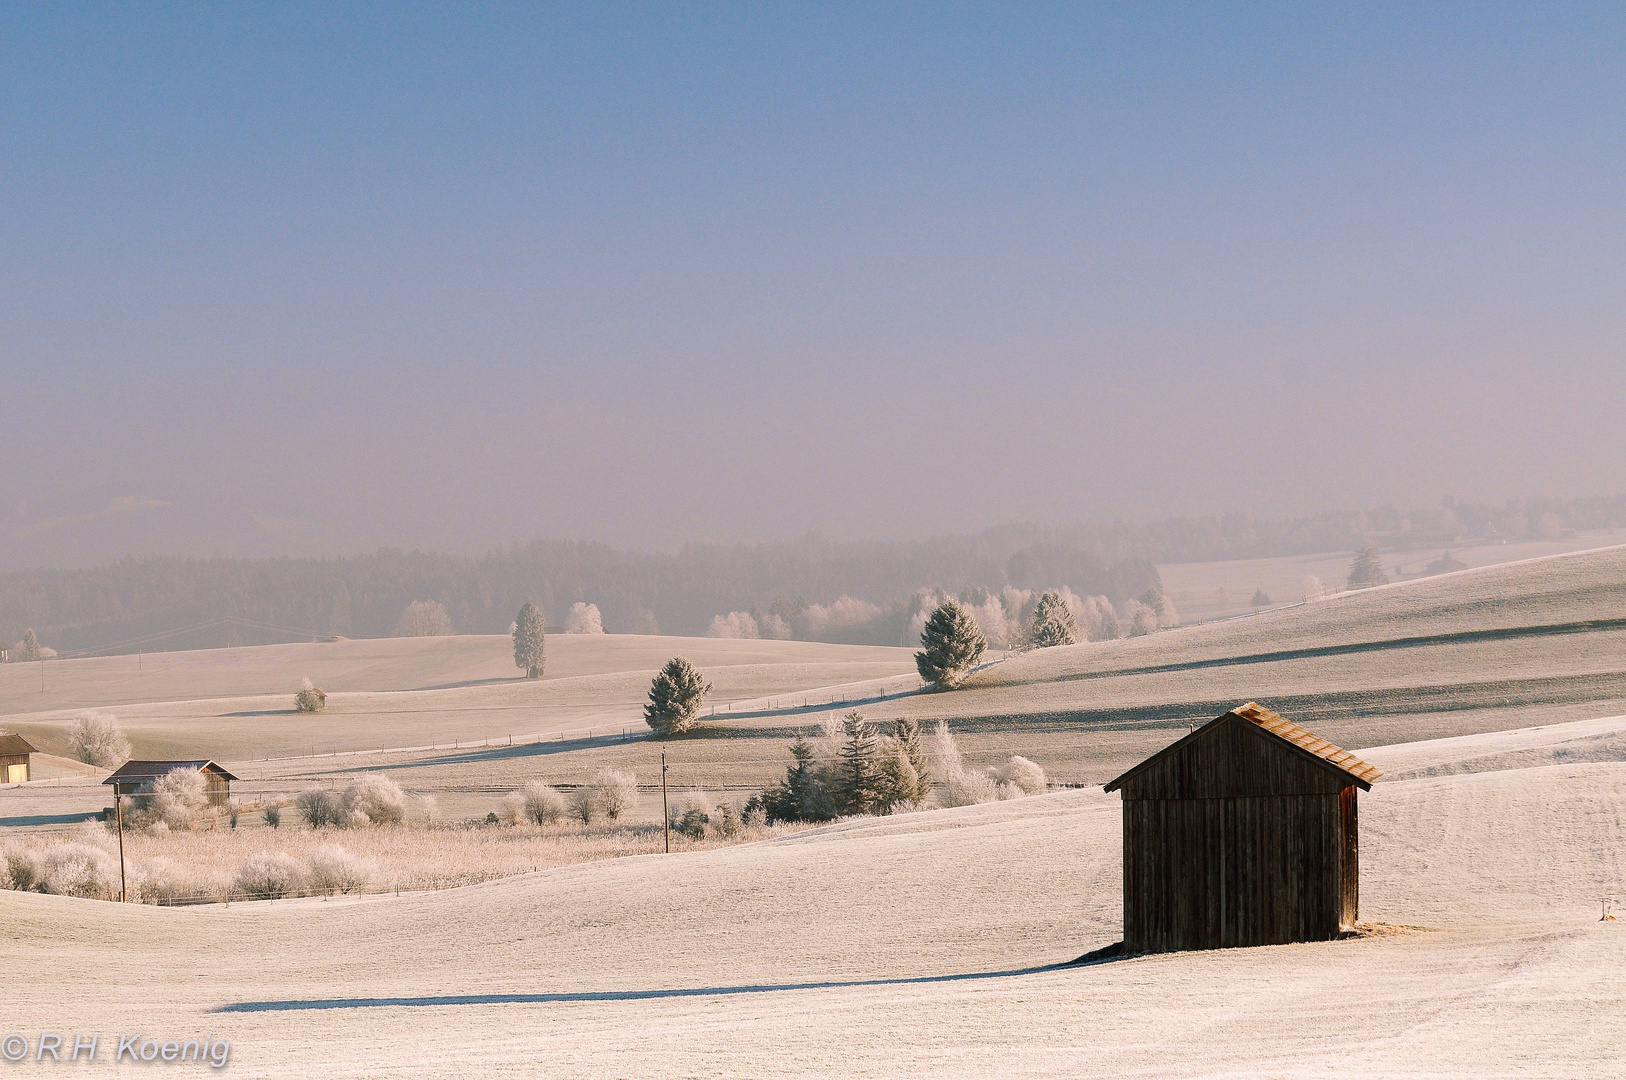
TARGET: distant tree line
(863,593)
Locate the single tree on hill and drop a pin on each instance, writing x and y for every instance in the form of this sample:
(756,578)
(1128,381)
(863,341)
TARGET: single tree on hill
(528,640)
(674,697)
(29,647)
(424,618)
(950,645)
(1053,623)
(1367,569)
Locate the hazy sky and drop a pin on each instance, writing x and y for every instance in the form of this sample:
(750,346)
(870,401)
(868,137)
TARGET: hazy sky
(287,279)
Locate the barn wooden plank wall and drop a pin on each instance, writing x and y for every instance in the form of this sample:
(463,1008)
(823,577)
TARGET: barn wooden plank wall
(1236,836)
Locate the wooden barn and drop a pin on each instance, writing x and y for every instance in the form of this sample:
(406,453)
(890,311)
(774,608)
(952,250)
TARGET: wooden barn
(1242,833)
(136,778)
(14,759)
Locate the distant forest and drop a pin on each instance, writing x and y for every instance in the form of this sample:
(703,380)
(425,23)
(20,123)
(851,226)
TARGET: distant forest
(802,586)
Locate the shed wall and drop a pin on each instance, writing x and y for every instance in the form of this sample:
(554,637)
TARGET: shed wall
(1220,873)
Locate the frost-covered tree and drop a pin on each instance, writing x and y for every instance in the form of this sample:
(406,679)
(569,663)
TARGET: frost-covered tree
(1053,623)
(1367,569)
(583,618)
(736,624)
(1260,597)
(950,645)
(859,786)
(1313,588)
(675,695)
(528,640)
(96,740)
(424,618)
(29,647)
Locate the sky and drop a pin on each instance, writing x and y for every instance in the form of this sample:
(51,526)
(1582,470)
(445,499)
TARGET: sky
(288,279)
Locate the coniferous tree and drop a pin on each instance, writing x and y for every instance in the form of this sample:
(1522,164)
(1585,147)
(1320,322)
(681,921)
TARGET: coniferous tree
(675,695)
(858,779)
(29,649)
(1367,569)
(529,643)
(950,644)
(1053,623)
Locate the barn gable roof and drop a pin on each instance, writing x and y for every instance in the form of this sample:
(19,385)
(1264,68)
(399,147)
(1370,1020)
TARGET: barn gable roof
(13,745)
(1302,741)
(145,772)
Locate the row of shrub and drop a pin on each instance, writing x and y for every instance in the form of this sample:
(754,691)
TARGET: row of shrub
(88,867)
(610,794)
(854,769)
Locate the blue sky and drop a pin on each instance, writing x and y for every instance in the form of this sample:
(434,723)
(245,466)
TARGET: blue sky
(291,278)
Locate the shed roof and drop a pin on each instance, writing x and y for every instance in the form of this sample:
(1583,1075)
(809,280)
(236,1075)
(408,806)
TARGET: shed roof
(144,772)
(1301,739)
(11,745)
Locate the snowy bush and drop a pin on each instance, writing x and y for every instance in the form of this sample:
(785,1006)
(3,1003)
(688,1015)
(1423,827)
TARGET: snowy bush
(1021,773)
(178,799)
(1312,587)
(78,869)
(617,792)
(19,867)
(374,799)
(96,740)
(270,876)
(335,870)
(424,618)
(584,619)
(163,881)
(736,624)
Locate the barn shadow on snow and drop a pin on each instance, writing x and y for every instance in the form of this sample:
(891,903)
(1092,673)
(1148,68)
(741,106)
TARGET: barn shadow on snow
(1099,956)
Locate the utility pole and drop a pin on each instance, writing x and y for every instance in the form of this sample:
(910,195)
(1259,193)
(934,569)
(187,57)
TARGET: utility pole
(118,809)
(666,814)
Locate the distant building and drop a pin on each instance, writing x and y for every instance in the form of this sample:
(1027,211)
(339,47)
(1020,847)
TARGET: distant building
(1242,833)
(137,777)
(14,759)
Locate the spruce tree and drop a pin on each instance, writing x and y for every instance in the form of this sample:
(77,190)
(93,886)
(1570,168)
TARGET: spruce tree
(1053,623)
(858,778)
(950,644)
(529,641)
(675,695)
(1367,569)
(30,647)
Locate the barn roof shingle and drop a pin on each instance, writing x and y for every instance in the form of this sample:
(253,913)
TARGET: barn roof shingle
(1259,716)
(143,772)
(12,745)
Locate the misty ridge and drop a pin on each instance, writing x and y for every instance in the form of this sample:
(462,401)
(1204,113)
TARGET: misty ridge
(809,589)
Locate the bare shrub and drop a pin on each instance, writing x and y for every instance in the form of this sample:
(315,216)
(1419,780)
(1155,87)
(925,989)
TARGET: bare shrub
(78,869)
(726,821)
(1024,775)
(582,805)
(617,792)
(373,799)
(96,740)
(319,807)
(584,619)
(424,618)
(270,875)
(511,810)
(539,804)
(335,870)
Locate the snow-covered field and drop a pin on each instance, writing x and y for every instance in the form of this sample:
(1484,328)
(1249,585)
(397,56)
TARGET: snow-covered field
(927,944)
(918,945)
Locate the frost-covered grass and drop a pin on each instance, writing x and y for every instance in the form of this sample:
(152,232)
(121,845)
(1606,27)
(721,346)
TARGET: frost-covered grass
(214,864)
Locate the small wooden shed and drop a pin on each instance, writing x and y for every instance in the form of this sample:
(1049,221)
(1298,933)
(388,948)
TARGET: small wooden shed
(1242,833)
(14,759)
(136,778)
